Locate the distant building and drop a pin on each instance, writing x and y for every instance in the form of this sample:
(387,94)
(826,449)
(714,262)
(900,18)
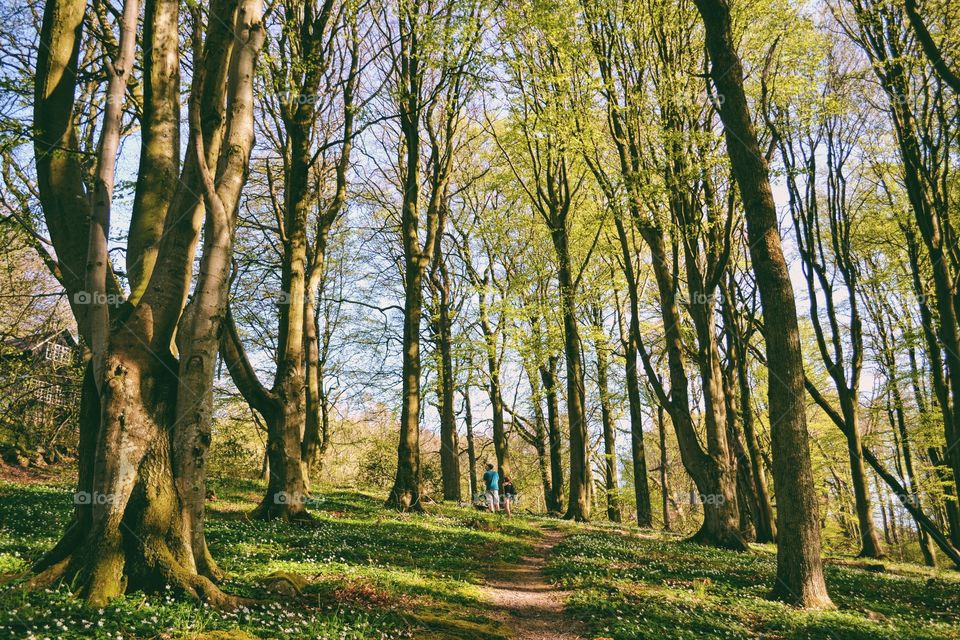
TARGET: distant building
(48,367)
(40,381)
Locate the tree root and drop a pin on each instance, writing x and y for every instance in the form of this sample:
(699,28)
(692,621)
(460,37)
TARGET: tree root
(732,541)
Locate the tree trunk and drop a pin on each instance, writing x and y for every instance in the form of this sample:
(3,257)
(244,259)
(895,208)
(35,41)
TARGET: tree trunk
(471,447)
(630,337)
(763,520)
(286,423)
(799,565)
(316,435)
(610,472)
(449,448)
(145,467)
(869,540)
(578,506)
(500,444)
(710,470)
(924,171)
(540,430)
(405,494)
(548,374)
(665,498)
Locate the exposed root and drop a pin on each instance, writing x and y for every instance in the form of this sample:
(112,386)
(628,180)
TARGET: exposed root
(267,510)
(65,547)
(730,540)
(49,576)
(404,502)
(817,602)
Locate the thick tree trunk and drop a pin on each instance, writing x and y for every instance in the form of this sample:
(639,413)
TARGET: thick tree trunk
(143,470)
(799,565)
(135,538)
(285,497)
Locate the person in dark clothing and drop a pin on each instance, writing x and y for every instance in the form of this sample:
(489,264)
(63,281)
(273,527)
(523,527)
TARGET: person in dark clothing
(509,494)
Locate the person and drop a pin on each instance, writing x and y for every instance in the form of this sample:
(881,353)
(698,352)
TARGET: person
(491,482)
(509,494)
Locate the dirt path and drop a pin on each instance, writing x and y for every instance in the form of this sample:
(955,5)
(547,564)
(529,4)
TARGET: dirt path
(522,598)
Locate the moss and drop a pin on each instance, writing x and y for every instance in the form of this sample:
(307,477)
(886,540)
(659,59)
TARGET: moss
(450,627)
(285,583)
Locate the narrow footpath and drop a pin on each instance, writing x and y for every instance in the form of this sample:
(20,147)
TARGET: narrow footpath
(526,603)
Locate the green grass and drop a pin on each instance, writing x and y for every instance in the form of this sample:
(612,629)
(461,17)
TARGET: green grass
(631,587)
(370,573)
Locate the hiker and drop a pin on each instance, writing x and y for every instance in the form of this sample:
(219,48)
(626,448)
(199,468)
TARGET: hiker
(491,482)
(509,494)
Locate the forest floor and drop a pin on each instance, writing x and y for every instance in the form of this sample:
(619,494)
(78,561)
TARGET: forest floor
(359,571)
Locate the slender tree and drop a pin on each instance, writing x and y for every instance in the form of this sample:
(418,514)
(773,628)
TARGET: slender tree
(799,565)
(435,48)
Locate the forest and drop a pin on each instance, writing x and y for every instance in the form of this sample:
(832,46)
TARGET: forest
(507,319)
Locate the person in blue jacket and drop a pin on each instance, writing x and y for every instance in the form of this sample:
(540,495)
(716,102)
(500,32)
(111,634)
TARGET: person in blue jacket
(491,483)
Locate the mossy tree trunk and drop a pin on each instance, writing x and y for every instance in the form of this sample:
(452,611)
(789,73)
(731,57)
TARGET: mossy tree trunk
(145,411)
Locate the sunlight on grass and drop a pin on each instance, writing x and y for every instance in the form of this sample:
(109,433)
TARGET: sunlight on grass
(629,587)
(365,572)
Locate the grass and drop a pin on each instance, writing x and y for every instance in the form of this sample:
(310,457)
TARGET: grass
(366,572)
(630,587)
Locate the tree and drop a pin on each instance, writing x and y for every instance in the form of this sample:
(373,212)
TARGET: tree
(546,168)
(799,565)
(825,242)
(436,48)
(319,46)
(921,121)
(698,226)
(143,457)
(610,470)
